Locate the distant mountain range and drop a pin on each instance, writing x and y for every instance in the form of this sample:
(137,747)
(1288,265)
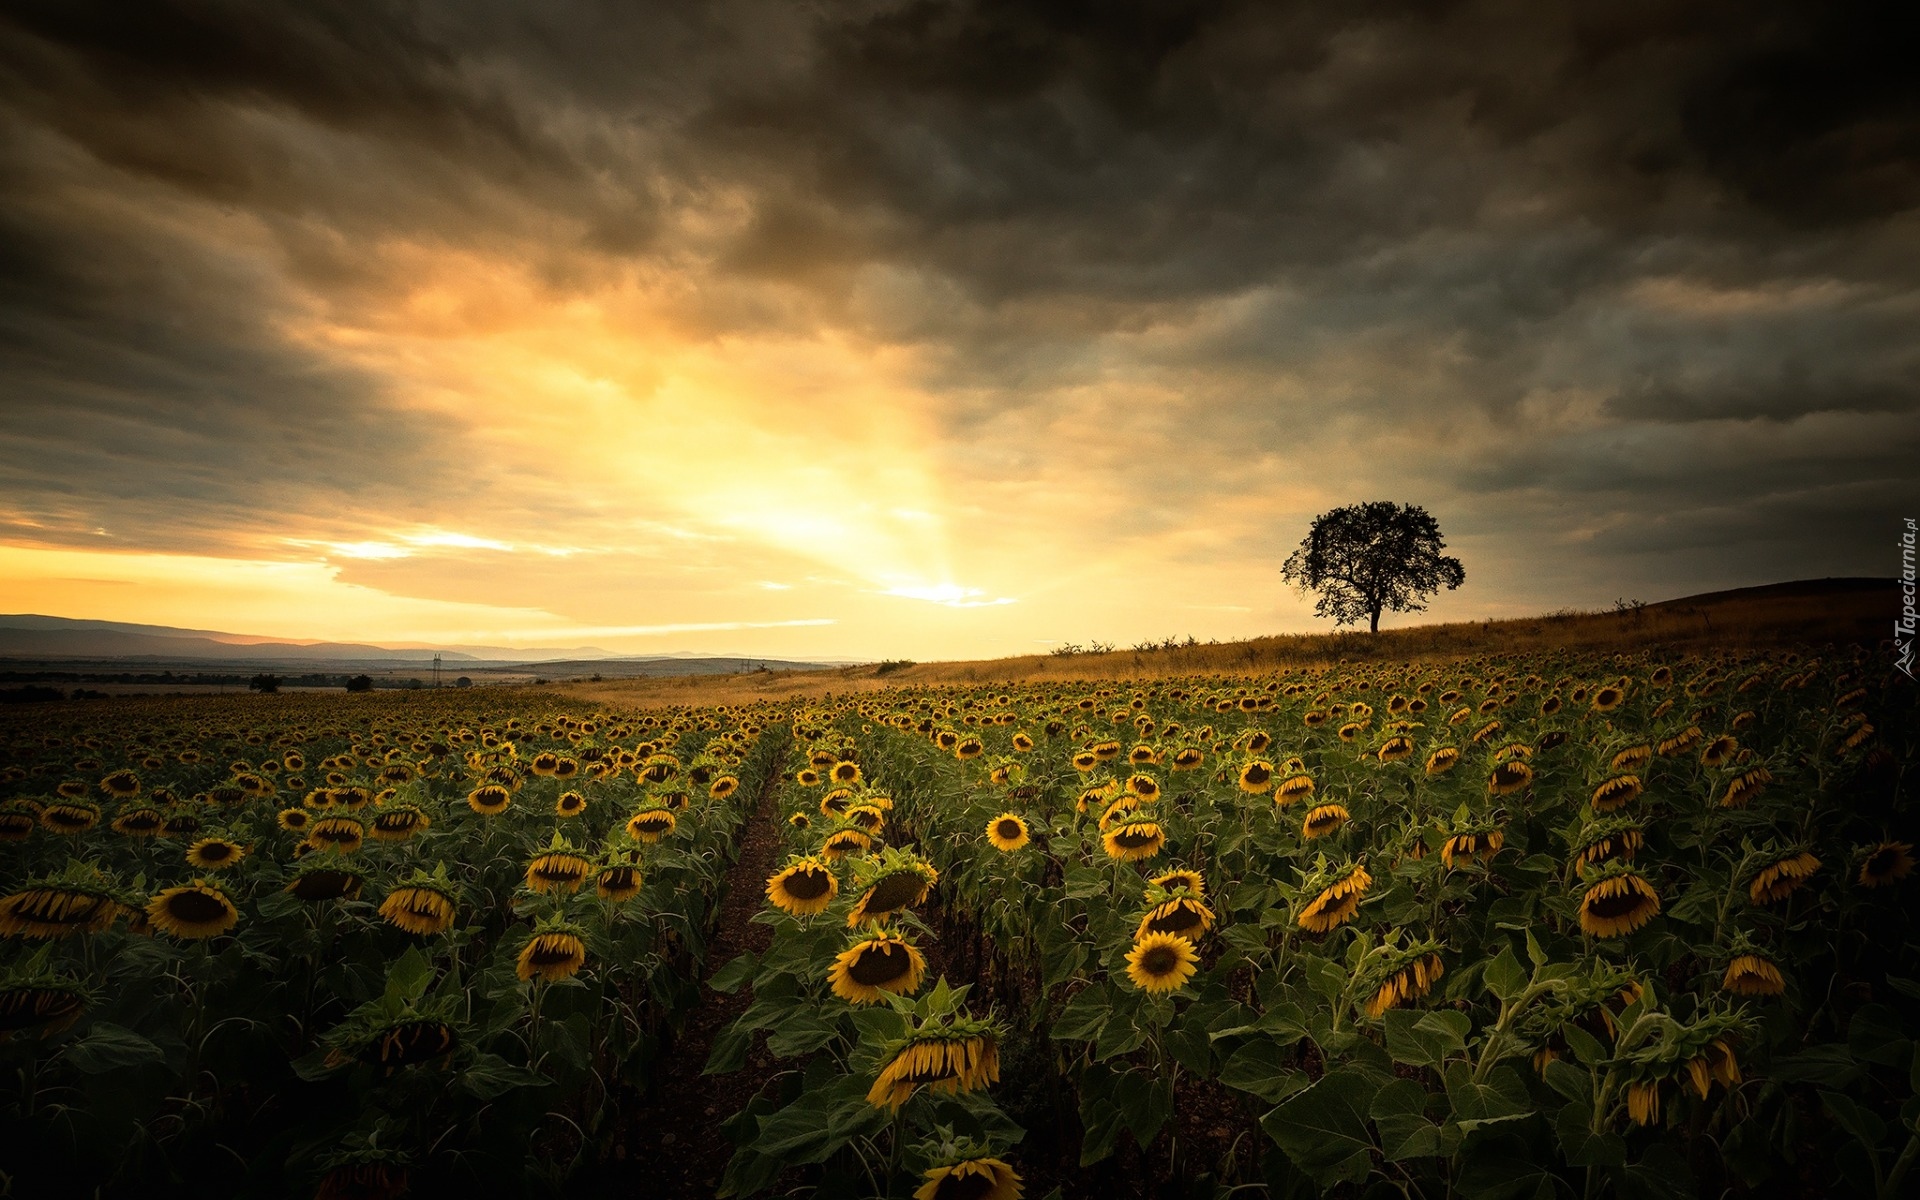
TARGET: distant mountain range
(42,639)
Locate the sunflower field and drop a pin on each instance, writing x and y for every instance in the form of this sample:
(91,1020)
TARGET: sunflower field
(345,946)
(1564,926)
(1555,926)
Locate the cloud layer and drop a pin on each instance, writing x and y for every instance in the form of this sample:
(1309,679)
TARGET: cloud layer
(970,326)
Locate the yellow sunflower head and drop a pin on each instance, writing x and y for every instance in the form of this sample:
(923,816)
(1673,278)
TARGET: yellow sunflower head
(193,911)
(880,962)
(803,888)
(1160,963)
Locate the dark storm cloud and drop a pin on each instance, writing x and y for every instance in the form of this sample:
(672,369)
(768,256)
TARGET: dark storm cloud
(1542,246)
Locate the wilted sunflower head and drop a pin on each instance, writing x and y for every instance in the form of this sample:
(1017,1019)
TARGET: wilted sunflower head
(649,825)
(193,911)
(1782,877)
(894,881)
(78,899)
(1256,777)
(424,904)
(1336,894)
(1323,820)
(879,962)
(1187,916)
(1133,841)
(555,951)
(977,1178)
(1181,877)
(489,799)
(1616,793)
(1617,901)
(1885,863)
(69,817)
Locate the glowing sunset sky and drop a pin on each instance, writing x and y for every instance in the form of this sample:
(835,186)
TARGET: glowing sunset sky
(937,330)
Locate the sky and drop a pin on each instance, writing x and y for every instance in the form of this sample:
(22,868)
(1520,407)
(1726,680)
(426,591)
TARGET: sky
(939,330)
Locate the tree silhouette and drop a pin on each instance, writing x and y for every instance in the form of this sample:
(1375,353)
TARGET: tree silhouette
(1370,558)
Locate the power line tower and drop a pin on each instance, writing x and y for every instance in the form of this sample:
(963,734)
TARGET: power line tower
(436,670)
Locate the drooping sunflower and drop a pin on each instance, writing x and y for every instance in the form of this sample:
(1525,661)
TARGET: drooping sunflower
(1443,760)
(845,772)
(193,911)
(421,906)
(649,825)
(1007,832)
(398,823)
(897,880)
(1604,840)
(59,905)
(325,878)
(1161,962)
(140,822)
(804,887)
(1617,901)
(1616,793)
(1133,841)
(1782,878)
(1256,777)
(969,748)
(69,817)
(1323,820)
(46,1005)
(558,870)
(1184,916)
(340,833)
(121,785)
(410,1042)
(1295,787)
(1742,788)
(1085,761)
(556,951)
(1337,900)
(618,879)
(1181,877)
(1395,749)
(570,804)
(1477,845)
(724,786)
(1886,863)
(1509,777)
(971,1179)
(880,962)
(215,854)
(17,822)
(1188,758)
(489,800)
(959,1056)
(842,842)
(1753,975)
(1409,976)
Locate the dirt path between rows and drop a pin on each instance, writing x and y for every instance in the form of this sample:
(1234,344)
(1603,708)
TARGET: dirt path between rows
(676,1146)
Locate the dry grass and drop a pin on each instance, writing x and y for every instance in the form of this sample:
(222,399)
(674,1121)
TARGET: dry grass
(1805,613)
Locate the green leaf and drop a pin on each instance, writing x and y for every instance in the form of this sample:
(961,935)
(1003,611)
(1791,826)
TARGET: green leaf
(1828,1065)
(1119,1037)
(1584,1045)
(1875,1035)
(1868,1129)
(1261,1067)
(1084,1016)
(1506,978)
(109,1047)
(1426,1039)
(1146,1102)
(1102,1121)
(1063,965)
(1187,1041)
(1661,1174)
(730,978)
(1083,883)
(1502,1097)
(408,979)
(1399,1113)
(1573,1125)
(1501,1177)
(1324,1129)
(489,1077)
(1570,1081)
(729,1052)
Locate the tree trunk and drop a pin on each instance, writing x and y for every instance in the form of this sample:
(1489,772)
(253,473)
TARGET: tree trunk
(1375,626)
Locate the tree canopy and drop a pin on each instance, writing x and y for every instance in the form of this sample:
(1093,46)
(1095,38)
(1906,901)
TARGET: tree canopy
(1370,558)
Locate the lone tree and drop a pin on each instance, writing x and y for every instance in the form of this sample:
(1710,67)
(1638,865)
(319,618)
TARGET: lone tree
(1370,558)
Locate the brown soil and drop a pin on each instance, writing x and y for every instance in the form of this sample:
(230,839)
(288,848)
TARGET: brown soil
(673,1138)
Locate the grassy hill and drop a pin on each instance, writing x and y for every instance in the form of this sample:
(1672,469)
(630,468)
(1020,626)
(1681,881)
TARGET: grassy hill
(1806,612)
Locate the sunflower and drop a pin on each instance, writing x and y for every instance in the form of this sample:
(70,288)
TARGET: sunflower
(1085,761)
(1478,845)
(17,823)
(649,825)
(421,906)
(1442,760)
(410,1043)
(1719,750)
(1181,877)
(1161,962)
(1608,840)
(1885,863)
(1297,786)
(969,748)
(489,800)
(1643,1101)
(618,880)
(331,881)
(193,911)
(1336,902)
(340,833)
(1409,980)
(1782,878)
(558,871)
(962,1057)
(1633,757)
(1182,915)
(900,880)
(1256,777)
(800,820)
(69,816)
(1509,777)
(544,763)
(881,962)
(56,907)
(1395,749)
(971,1179)
(554,952)
(121,785)
(570,804)
(140,822)
(47,1005)
(397,824)
(1607,699)
(1616,793)
(1105,751)
(723,787)
(1144,786)
(1324,820)
(1007,832)
(1617,902)
(1752,975)
(842,842)
(215,854)
(1133,841)
(1188,758)
(804,887)
(1742,788)
(845,772)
